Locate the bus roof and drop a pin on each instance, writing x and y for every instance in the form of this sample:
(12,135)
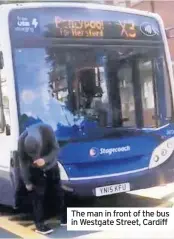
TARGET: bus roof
(96,4)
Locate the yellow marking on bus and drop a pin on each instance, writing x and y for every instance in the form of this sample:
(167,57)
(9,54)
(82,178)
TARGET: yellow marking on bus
(21,231)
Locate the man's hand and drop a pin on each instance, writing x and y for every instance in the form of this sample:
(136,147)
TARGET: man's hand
(29,187)
(39,162)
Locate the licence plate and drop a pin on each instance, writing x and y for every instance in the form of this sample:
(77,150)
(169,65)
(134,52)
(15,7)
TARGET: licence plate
(112,189)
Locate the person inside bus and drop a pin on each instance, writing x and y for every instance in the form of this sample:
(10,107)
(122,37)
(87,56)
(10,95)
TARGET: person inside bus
(38,148)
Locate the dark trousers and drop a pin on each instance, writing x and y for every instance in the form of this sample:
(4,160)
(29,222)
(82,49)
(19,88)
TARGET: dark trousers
(41,181)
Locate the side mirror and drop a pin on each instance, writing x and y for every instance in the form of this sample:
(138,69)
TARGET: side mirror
(1,61)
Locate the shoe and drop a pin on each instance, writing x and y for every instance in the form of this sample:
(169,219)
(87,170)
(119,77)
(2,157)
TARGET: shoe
(43,229)
(63,221)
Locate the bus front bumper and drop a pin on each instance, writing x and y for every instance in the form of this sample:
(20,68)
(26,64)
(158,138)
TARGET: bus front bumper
(146,178)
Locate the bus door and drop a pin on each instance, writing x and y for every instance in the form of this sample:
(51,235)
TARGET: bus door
(132,92)
(6,190)
(4,120)
(163,98)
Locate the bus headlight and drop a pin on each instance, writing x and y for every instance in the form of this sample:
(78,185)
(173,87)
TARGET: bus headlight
(162,153)
(63,174)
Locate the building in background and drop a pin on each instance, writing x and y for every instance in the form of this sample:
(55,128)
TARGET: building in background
(124,3)
(164,8)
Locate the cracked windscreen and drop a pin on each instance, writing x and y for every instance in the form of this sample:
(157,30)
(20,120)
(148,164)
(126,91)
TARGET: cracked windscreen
(109,86)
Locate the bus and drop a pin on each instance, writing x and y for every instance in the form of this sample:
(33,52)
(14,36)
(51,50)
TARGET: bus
(102,77)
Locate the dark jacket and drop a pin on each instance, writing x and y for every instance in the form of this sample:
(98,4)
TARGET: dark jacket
(37,141)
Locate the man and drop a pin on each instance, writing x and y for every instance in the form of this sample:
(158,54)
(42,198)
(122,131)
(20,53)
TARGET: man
(38,150)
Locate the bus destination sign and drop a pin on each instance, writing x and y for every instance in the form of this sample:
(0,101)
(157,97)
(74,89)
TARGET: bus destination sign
(125,29)
(83,23)
(79,28)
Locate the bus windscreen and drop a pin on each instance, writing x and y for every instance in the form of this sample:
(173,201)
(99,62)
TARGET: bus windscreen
(82,23)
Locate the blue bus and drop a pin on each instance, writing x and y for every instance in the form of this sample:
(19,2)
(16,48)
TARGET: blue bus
(102,77)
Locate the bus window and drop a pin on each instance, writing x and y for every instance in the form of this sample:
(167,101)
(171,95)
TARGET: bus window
(127,95)
(137,92)
(93,94)
(4,105)
(58,86)
(113,88)
(5,102)
(147,92)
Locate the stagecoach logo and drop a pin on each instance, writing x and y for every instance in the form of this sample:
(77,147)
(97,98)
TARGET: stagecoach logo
(148,30)
(94,152)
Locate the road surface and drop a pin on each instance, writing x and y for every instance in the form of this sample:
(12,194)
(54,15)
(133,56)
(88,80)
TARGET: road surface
(162,196)
(7,234)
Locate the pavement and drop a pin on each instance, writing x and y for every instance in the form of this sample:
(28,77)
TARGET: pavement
(7,234)
(162,196)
